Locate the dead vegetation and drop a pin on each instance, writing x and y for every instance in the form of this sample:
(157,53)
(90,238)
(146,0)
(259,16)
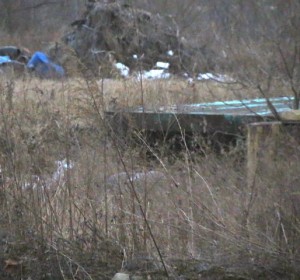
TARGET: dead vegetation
(106,212)
(84,227)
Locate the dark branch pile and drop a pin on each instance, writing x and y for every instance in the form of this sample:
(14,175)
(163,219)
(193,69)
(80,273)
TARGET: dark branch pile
(109,33)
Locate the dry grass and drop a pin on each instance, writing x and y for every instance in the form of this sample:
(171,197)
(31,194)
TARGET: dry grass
(127,92)
(87,227)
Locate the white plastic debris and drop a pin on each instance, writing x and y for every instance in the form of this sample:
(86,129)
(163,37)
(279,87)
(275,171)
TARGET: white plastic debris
(170,53)
(123,69)
(42,184)
(62,166)
(155,74)
(214,77)
(162,65)
(190,80)
(205,76)
(223,79)
(121,276)
(135,56)
(34,183)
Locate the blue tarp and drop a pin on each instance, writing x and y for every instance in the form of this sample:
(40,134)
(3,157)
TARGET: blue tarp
(4,59)
(44,67)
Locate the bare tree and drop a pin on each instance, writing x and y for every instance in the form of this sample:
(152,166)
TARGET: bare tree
(263,47)
(28,20)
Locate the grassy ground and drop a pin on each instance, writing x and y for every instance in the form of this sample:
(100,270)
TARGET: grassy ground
(82,227)
(127,92)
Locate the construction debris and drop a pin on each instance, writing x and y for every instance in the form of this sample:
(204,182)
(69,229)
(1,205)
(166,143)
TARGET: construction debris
(111,33)
(14,61)
(117,40)
(44,67)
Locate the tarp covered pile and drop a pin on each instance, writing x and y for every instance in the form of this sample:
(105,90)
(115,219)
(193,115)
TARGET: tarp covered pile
(19,61)
(12,57)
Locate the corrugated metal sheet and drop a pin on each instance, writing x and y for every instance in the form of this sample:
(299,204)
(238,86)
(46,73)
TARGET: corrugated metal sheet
(209,118)
(233,107)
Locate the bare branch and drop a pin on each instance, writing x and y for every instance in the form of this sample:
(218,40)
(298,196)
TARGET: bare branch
(36,6)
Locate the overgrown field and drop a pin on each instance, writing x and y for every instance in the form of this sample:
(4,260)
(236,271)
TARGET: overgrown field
(77,203)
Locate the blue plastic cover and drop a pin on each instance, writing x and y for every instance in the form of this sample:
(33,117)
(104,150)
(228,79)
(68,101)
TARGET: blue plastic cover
(4,59)
(44,67)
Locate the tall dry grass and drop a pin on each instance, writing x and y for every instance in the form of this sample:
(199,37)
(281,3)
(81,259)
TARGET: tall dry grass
(90,229)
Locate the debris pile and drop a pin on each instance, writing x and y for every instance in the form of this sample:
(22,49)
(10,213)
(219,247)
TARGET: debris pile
(44,67)
(16,60)
(112,33)
(115,39)
(12,57)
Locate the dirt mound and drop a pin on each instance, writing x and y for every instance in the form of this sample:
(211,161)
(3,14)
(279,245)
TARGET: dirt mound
(110,33)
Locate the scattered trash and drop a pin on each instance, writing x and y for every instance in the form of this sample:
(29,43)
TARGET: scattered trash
(117,45)
(11,51)
(62,167)
(154,52)
(111,29)
(162,65)
(17,59)
(4,59)
(170,53)
(45,183)
(35,183)
(12,60)
(205,76)
(209,76)
(15,54)
(123,69)
(215,77)
(154,74)
(44,67)
(121,276)
(159,72)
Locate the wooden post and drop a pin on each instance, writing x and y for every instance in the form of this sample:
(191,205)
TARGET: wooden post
(262,138)
(271,149)
(261,142)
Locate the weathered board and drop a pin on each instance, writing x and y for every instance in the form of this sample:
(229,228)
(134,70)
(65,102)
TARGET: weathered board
(221,117)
